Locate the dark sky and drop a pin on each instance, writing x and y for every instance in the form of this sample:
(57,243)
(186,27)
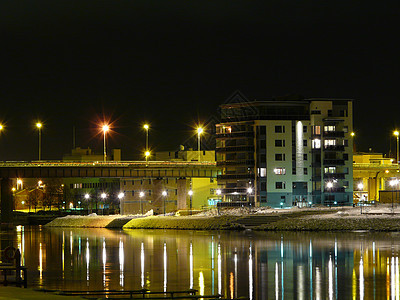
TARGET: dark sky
(74,63)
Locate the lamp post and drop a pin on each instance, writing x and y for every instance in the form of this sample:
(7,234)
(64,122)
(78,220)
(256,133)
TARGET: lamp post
(190,203)
(39,127)
(199,132)
(329,186)
(141,195)
(147,127)
(103,196)
(164,193)
(105,129)
(87,197)
(249,192)
(396,133)
(121,196)
(147,154)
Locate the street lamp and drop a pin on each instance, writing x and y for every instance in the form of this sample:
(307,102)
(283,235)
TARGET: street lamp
(329,186)
(164,193)
(121,196)
(141,195)
(147,127)
(105,129)
(147,154)
(39,127)
(396,133)
(87,197)
(103,196)
(190,203)
(199,132)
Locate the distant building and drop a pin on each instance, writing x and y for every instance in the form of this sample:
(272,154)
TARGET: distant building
(204,189)
(79,154)
(283,153)
(373,174)
(185,155)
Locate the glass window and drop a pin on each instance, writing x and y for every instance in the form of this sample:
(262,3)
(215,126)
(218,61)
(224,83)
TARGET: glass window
(316,144)
(304,129)
(280,171)
(304,156)
(316,129)
(262,172)
(280,185)
(305,171)
(329,128)
(279,129)
(329,143)
(305,143)
(279,157)
(279,143)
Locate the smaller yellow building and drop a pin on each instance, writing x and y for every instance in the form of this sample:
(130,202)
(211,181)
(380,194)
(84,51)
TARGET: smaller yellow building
(375,177)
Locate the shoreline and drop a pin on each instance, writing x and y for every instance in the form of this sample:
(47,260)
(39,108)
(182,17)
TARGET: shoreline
(379,218)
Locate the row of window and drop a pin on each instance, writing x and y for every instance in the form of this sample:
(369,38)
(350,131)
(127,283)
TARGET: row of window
(93,185)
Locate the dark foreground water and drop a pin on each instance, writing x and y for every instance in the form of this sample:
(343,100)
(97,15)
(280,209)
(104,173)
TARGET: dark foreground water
(256,265)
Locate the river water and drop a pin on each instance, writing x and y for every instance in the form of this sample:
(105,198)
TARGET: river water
(257,265)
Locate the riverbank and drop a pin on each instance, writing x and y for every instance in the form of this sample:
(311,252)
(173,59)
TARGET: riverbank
(376,218)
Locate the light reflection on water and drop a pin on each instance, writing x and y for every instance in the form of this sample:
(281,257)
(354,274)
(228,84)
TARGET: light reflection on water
(235,264)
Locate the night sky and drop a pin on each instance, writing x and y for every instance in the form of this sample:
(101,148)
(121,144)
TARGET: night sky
(172,63)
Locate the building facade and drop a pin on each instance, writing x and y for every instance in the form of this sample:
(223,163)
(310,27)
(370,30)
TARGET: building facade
(284,153)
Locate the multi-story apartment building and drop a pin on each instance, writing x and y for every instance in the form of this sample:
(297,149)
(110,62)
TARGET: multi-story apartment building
(283,153)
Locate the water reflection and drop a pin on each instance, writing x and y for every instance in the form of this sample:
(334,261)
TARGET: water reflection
(234,264)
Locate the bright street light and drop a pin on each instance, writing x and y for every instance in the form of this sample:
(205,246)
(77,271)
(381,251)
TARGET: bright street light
(87,196)
(360,186)
(147,154)
(105,128)
(249,190)
(103,195)
(141,195)
(147,127)
(396,133)
(39,127)
(329,184)
(199,132)
(121,195)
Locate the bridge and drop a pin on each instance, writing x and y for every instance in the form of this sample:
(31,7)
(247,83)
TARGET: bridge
(96,169)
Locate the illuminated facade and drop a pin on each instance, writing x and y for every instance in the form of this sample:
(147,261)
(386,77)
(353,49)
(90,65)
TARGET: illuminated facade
(376,178)
(284,153)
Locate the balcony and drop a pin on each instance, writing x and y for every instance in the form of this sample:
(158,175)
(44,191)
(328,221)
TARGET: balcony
(334,148)
(235,176)
(237,190)
(334,176)
(334,190)
(236,163)
(248,134)
(235,149)
(334,162)
(334,134)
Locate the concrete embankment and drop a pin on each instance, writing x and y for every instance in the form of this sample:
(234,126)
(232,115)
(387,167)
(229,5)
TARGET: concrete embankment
(292,220)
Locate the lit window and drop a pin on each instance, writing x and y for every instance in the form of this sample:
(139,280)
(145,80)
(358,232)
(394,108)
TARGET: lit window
(280,171)
(329,143)
(329,128)
(316,129)
(330,170)
(316,143)
(262,172)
